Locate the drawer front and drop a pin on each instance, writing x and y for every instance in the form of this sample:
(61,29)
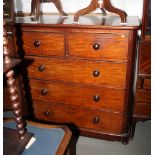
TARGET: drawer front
(90,97)
(98,46)
(145,58)
(90,72)
(42,43)
(143,95)
(143,109)
(92,119)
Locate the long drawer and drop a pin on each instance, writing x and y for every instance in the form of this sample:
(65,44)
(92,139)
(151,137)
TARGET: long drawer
(99,120)
(98,46)
(43,43)
(71,94)
(79,71)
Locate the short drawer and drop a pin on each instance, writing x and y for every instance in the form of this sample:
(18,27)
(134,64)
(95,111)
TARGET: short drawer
(98,46)
(71,94)
(43,43)
(80,117)
(79,71)
(143,95)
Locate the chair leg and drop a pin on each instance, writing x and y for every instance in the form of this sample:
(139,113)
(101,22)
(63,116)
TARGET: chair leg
(33,6)
(37,9)
(58,5)
(16,104)
(106,4)
(93,5)
(110,8)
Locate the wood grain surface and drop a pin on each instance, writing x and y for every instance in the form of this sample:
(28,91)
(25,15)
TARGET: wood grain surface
(111,46)
(51,44)
(79,71)
(81,117)
(72,94)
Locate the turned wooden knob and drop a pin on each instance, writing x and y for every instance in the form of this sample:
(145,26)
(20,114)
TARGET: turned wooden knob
(96,46)
(41,68)
(44,92)
(36,43)
(96,120)
(96,98)
(96,73)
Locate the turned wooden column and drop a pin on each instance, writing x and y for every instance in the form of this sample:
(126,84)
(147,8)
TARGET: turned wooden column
(8,63)
(103,5)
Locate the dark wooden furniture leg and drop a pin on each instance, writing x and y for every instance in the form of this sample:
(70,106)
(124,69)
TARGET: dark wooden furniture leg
(110,8)
(58,5)
(93,5)
(106,4)
(35,7)
(15,103)
(12,87)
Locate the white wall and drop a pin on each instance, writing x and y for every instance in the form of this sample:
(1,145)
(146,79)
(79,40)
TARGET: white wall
(132,7)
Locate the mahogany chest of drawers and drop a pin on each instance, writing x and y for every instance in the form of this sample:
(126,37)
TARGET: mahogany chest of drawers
(81,74)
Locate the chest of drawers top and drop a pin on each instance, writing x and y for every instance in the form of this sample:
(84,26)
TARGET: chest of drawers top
(88,21)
